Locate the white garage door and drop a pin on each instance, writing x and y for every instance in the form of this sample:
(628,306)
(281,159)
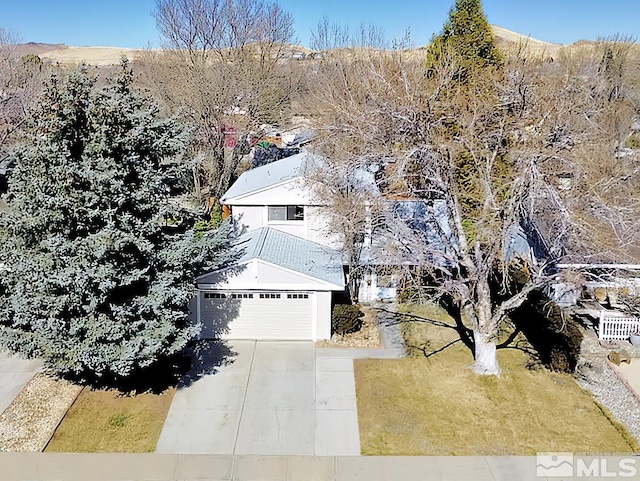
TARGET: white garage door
(257,315)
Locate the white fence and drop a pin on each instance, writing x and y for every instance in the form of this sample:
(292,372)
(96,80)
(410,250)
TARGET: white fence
(614,328)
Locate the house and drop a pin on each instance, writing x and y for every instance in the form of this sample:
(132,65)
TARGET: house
(293,267)
(281,287)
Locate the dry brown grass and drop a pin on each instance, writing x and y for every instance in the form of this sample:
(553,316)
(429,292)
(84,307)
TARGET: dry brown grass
(105,421)
(437,406)
(101,56)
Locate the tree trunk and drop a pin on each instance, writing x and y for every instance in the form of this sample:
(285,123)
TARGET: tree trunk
(486,362)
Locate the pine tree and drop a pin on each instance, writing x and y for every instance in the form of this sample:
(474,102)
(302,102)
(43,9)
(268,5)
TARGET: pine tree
(96,283)
(466,41)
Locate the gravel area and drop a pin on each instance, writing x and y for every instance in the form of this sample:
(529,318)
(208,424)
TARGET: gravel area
(594,374)
(368,336)
(30,420)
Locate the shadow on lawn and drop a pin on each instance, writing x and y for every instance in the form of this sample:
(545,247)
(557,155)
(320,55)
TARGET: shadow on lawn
(181,370)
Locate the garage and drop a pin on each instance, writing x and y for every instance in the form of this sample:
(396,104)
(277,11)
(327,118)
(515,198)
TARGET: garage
(257,315)
(280,289)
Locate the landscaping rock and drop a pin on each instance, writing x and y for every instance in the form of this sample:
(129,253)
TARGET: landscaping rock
(33,416)
(368,336)
(594,375)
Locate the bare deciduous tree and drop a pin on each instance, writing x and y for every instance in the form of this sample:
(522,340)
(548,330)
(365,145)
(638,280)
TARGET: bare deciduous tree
(20,83)
(222,66)
(494,156)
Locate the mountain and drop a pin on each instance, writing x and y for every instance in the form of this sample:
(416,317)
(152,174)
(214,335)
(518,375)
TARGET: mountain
(105,56)
(507,39)
(64,54)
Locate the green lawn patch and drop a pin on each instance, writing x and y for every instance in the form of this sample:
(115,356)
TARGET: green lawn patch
(107,421)
(437,406)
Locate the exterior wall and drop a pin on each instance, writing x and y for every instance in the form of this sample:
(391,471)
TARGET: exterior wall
(370,291)
(317,222)
(251,211)
(292,192)
(314,227)
(297,228)
(250,216)
(322,317)
(253,217)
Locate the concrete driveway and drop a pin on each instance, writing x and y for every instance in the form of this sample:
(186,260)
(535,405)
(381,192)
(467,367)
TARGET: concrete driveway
(272,398)
(15,373)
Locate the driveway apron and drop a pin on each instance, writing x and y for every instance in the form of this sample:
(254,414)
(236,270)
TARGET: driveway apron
(273,398)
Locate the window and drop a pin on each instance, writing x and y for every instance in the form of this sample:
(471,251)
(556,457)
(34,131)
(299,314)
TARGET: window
(269,296)
(242,296)
(385,281)
(214,295)
(297,296)
(286,212)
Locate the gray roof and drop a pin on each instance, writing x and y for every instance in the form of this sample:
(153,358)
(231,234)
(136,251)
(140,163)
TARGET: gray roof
(268,175)
(294,253)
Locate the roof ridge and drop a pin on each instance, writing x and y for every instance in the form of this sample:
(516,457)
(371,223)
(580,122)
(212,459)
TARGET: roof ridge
(262,239)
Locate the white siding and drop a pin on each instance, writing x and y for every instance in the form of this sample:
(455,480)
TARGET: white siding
(292,192)
(370,291)
(293,227)
(323,315)
(251,211)
(250,216)
(317,219)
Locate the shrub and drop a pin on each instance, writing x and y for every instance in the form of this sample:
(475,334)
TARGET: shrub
(206,225)
(346,318)
(633,141)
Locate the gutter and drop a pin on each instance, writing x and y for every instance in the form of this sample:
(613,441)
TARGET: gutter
(629,267)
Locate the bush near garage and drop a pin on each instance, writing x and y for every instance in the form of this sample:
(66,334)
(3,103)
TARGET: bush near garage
(346,318)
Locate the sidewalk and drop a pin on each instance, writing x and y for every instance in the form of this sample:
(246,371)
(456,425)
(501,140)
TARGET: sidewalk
(157,467)
(15,373)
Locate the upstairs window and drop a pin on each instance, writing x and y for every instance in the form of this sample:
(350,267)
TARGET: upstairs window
(286,212)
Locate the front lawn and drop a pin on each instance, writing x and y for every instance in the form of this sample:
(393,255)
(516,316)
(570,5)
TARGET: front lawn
(437,406)
(106,421)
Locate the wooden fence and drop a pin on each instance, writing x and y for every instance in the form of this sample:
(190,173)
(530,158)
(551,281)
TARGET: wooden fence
(616,328)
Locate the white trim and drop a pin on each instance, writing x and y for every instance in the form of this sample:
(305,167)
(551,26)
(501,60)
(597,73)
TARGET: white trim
(258,191)
(314,317)
(324,285)
(631,267)
(198,306)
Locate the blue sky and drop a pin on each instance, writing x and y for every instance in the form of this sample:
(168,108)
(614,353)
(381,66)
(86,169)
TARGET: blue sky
(130,24)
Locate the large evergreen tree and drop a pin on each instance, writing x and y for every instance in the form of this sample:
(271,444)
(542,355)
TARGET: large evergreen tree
(466,42)
(99,264)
